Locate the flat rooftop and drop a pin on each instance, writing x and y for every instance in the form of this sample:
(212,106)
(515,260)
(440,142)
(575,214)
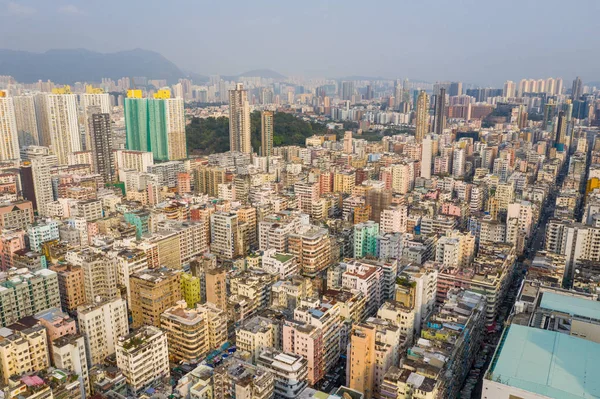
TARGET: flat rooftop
(283,257)
(548,363)
(571,305)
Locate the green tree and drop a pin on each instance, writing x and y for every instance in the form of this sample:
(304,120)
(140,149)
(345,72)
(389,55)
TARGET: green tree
(211,135)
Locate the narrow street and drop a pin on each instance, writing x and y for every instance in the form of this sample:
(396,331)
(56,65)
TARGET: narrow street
(536,243)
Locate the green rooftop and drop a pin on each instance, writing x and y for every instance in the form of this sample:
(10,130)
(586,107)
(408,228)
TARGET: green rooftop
(283,257)
(548,363)
(571,305)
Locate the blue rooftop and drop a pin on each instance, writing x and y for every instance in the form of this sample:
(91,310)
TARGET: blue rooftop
(571,305)
(548,363)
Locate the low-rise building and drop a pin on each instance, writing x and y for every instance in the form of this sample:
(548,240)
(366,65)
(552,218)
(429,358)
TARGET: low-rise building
(280,264)
(24,294)
(290,372)
(438,364)
(192,333)
(68,353)
(23,351)
(256,334)
(526,365)
(235,379)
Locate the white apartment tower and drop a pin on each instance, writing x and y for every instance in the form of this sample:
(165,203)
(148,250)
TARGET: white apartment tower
(143,357)
(40,101)
(101,100)
(92,103)
(426,156)
(63,125)
(510,89)
(239,120)
(68,353)
(459,159)
(42,181)
(175,124)
(27,128)
(103,323)
(9,139)
(225,235)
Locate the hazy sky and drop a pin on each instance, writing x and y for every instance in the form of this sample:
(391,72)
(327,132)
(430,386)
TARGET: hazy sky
(483,42)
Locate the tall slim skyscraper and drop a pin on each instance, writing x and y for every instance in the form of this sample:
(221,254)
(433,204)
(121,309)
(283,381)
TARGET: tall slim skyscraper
(155,124)
(369,94)
(426,156)
(101,143)
(406,91)
(422,117)
(397,93)
(440,112)
(558,86)
(239,120)
(9,141)
(136,121)
(42,181)
(347,90)
(93,97)
(63,124)
(41,114)
(577,89)
(455,89)
(561,131)
(509,89)
(266,133)
(550,86)
(523,87)
(175,128)
(27,128)
(549,112)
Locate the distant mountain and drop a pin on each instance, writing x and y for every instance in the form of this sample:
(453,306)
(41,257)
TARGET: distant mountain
(359,77)
(80,65)
(263,73)
(196,77)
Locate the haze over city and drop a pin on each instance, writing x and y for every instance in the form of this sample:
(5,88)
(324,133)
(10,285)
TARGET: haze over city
(299,200)
(479,42)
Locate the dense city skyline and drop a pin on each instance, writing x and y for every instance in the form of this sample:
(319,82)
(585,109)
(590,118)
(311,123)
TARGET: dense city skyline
(299,200)
(476,42)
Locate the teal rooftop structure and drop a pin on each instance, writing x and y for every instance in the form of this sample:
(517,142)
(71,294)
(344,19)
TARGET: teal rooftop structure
(546,363)
(574,306)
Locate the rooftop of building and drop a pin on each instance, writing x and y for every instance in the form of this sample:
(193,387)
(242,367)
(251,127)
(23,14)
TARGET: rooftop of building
(90,307)
(66,340)
(256,325)
(19,276)
(547,363)
(342,295)
(418,381)
(276,359)
(571,305)
(281,257)
(139,337)
(311,393)
(54,315)
(155,275)
(183,315)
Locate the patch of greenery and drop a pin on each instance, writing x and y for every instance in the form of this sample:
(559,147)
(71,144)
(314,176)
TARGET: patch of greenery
(208,135)
(405,282)
(134,342)
(211,135)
